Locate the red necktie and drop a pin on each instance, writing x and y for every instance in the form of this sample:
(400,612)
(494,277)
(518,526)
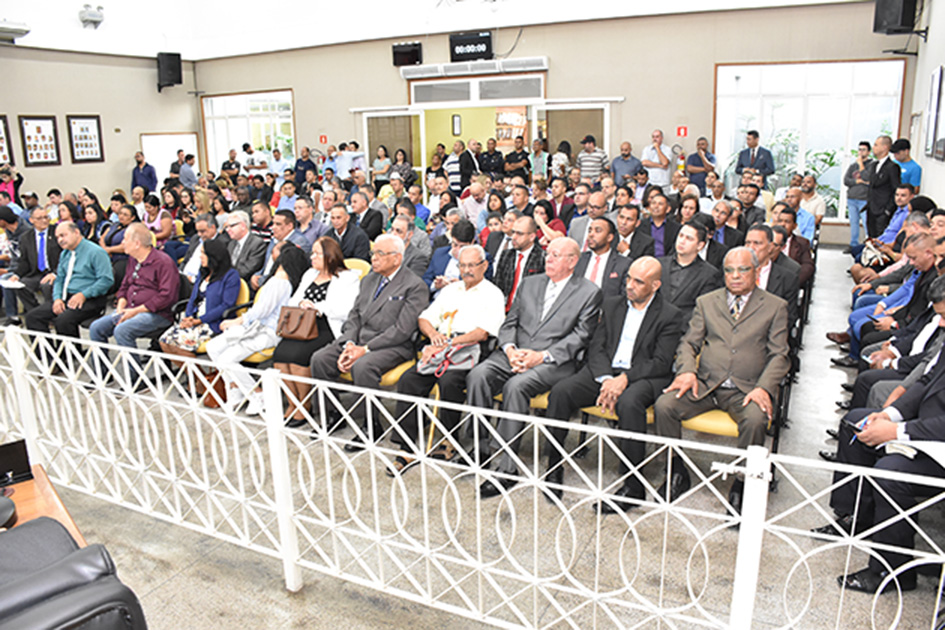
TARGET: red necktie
(752,157)
(518,268)
(595,269)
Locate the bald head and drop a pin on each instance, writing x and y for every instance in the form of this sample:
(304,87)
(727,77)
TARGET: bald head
(643,280)
(563,253)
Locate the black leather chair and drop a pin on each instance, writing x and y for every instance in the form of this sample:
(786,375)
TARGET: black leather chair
(46,581)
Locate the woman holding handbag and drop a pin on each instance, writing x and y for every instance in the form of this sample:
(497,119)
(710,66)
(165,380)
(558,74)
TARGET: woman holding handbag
(329,289)
(216,289)
(255,330)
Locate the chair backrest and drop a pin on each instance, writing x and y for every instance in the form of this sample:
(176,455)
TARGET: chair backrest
(243,297)
(361,266)
(178,227)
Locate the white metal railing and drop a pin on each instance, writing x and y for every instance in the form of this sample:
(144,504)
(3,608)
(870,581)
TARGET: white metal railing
(524,559)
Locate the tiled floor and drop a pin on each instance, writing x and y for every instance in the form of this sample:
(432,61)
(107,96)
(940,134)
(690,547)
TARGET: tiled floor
(187,580)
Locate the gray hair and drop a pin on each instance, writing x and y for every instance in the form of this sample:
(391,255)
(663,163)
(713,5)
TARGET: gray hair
(206,217)
(241,216)
(728,206)
(306,201)
(476,248)
(454,212)
(742,248)
(361,194)
(393,239)
(919,219)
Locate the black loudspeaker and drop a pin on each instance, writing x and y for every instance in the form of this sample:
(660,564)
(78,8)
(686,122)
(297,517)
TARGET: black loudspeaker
(169,70)
(408,54)
(894,17)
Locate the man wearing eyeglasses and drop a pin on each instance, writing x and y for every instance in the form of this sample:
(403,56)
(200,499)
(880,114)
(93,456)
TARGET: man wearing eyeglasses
(596,209)
(466,312)
(247,251)
(377,335)
(551,322)
(732,358)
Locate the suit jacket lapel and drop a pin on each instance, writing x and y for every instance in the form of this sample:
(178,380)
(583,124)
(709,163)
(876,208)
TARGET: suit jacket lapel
(616,320)
(649,320)
(754,303)
(566,291)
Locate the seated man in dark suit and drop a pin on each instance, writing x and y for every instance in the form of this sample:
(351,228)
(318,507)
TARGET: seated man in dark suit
(733,358)
(919,416)
(632,242)
(525,258)
(601,264)
(379,332)
(796,247)
(368,219)
(659,226)
(629,362)
(779,236)
(501,240)
(724,234)
(39,257)
(551,321)
(247,251)
(444,264)
(354,242)
(685,275)
(772,278)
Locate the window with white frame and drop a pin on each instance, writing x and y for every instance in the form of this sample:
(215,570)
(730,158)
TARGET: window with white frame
(264,119)
(810,115)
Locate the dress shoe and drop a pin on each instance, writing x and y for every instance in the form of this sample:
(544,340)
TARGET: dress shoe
(555,477)
(678,484)
(11,321)
(295,423)
(847,387)
(839,337)
(491,489)
(845,404)
(844,526)
(846,361)
(735,495)
(830,456)
(626,491)
(833,433)
(868,581)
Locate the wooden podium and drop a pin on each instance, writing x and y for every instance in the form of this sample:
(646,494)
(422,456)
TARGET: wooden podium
(37,497)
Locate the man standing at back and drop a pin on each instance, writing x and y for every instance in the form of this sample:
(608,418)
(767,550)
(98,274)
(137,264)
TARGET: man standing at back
(755,157)
(911,171)
(624,166)
(592,160)
(143,174)
(881,199)
(657,160)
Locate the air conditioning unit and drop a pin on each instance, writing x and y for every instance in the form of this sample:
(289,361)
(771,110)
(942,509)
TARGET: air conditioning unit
(9,31)
(467,68)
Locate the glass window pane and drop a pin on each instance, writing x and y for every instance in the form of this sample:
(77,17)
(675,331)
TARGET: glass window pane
(510,88)
(437,92)
(829,78)
(782,79)
(878,77)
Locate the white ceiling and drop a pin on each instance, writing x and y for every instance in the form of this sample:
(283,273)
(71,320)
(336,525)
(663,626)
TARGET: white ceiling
(199,29)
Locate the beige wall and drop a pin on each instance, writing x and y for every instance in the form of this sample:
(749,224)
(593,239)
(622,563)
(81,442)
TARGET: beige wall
(122,90)
(931,55)
(659,64)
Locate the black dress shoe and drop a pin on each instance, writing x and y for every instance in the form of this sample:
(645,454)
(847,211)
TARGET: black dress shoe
(846,405)
(735,495)
(830,456)
(844,526)
(295,423)
(833,433)
(678,485)
(845,361)
(491,489)
(847,387)
(555,477)
(626,491)
(868,581)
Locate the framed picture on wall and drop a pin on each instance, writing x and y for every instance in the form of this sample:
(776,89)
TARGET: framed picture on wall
(40,139)
(85,138)
(931,111)
(6,151)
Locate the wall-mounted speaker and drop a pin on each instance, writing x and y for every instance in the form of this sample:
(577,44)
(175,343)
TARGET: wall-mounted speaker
(408,54)
(169,70)
(894,17)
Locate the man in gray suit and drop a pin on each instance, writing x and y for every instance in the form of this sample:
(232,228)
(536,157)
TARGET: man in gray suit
(733,358)
(551,322)
(415,259)
(247,251)
(596,209)
(378,334)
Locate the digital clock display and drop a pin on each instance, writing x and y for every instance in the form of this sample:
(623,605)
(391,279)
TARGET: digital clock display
(470,46)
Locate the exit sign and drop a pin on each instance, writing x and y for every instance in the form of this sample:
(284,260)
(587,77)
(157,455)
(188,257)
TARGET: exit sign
(682,132)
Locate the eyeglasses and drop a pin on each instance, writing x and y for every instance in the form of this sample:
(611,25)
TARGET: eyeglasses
(380,254)
(741,270)
(556,255)
(469,266)
(596,207)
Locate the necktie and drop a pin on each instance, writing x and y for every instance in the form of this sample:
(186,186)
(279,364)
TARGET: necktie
(41,253)
(380,287)
(69,269)
(595,269)
(518,269)
(752,157)
(736,308)
(551,294)
(505,244)
(236,251)
(720,235)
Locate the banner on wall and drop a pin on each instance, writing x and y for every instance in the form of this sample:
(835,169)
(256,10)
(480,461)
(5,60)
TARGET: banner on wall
(510,122)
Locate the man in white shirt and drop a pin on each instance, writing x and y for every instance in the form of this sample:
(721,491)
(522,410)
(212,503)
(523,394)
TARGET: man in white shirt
(467,312)
(600,263)
(811,199)
(657,159)
(277,167)
(251,163)
(475,204)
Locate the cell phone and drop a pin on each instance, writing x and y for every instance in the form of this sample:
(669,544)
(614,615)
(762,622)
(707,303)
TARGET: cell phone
(856,426)
(873,318)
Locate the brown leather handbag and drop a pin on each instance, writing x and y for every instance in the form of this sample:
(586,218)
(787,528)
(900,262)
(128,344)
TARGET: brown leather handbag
(297,323)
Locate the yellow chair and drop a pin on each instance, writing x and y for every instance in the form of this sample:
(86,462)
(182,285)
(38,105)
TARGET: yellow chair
(539,402)
(714,421)
(391,377)
(361,266)
(178,228)
(242,298)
